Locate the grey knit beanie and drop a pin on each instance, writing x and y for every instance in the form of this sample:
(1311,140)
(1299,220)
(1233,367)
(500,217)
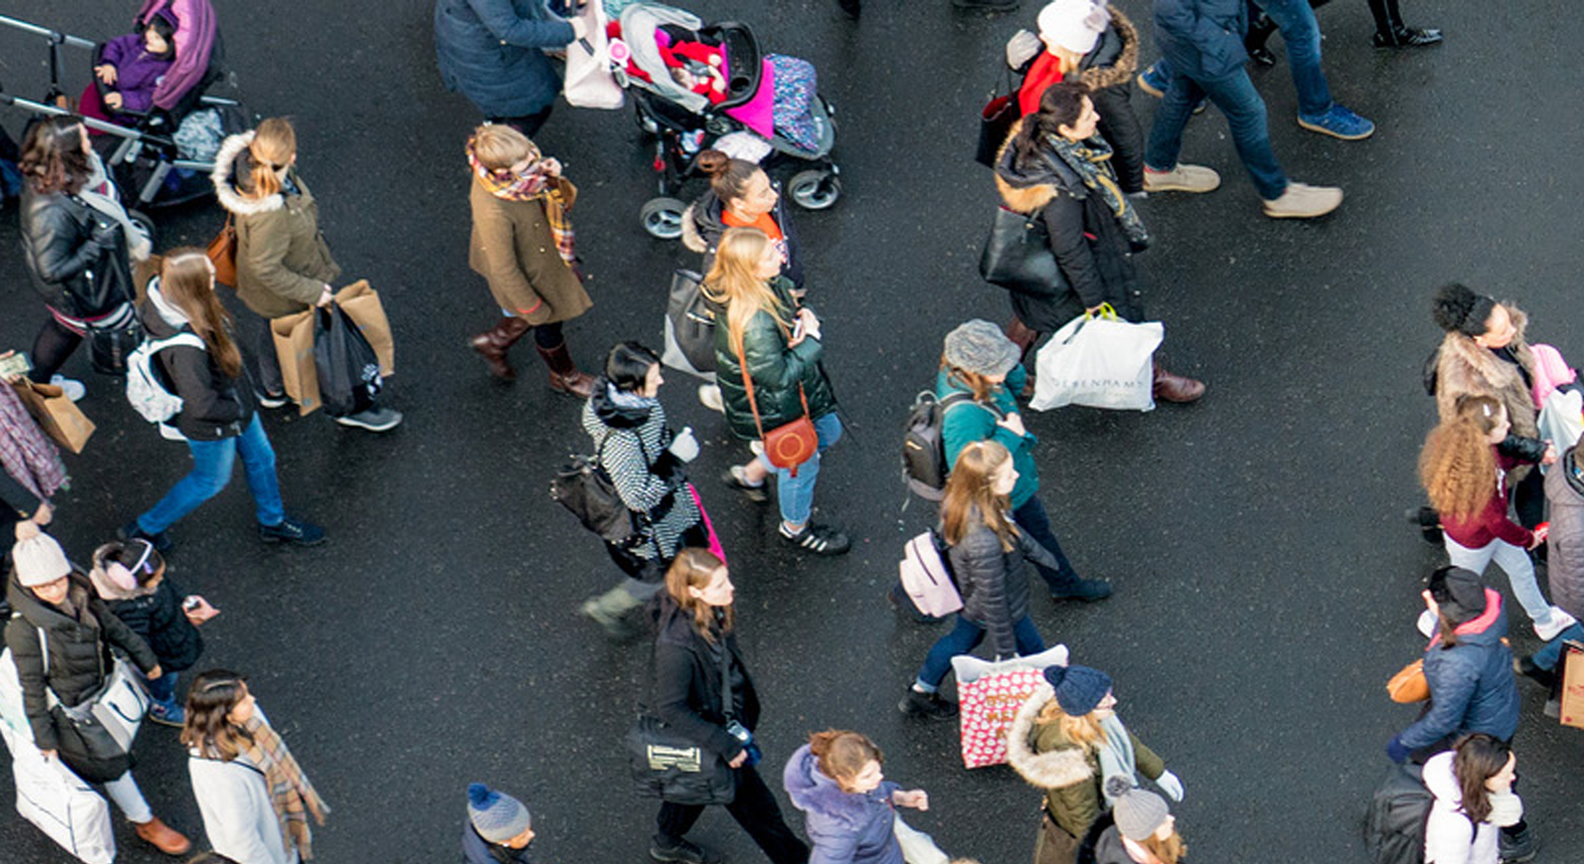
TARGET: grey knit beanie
(1138,813)
(980,347)
(496,816)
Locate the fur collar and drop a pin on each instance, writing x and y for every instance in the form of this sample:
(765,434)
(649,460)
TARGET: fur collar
(1022,199)
(225,179)
(1052,769)
(1464,367)
(1120,72)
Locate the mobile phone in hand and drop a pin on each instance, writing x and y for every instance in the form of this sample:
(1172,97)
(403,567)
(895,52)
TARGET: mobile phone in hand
(15,364)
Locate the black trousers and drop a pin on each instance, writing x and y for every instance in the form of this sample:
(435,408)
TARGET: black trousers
(754,808)
(528,124)
(52,347)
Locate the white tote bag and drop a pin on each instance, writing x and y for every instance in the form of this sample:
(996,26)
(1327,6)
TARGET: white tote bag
(589,80)
(917,847)
(1561,419)
(1100,361)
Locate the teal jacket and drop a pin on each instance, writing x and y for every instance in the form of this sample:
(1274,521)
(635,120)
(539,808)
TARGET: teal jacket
(777,370)
(965,424)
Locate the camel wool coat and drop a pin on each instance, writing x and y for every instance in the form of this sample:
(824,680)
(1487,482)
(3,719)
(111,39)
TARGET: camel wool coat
(513,249)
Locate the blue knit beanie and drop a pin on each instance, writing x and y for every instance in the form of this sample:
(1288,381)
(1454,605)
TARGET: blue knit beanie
(1079,689)
(496,816)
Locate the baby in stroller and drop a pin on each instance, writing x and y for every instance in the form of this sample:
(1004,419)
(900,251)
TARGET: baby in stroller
(127,71)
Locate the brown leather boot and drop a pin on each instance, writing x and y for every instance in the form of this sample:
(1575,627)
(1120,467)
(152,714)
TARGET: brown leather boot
(162,837)
(564,374)
(1024,338)
(1175,388)
(492,345)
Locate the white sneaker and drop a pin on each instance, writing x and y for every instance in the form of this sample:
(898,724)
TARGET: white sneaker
(1554,626)
(73,388)
(1302,201)
(709,395)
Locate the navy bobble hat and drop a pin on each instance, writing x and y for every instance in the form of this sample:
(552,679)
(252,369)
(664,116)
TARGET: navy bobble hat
(1079,689)
(496,816)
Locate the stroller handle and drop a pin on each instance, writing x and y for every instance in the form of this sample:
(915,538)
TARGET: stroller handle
(741,40)
(51,35)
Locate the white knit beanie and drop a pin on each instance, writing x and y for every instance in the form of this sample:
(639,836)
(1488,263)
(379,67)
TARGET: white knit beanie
(1065,24)
(39,561)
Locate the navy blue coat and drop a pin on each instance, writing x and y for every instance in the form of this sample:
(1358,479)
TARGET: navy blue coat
(492,50)
(1472,688)
(1202,39)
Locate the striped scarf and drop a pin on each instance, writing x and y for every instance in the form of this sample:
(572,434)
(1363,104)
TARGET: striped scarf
(25,454)
(1092,160)
(290,792)
(534,185)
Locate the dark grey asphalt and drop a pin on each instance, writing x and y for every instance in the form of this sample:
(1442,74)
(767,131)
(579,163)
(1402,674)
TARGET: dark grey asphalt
(1266,584)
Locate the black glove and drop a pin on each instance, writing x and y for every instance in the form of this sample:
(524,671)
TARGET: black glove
(1522,448)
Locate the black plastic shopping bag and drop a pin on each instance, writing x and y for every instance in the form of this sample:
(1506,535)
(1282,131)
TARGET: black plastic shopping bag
(349,371)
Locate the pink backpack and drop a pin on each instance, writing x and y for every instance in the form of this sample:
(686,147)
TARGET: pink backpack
(926,578)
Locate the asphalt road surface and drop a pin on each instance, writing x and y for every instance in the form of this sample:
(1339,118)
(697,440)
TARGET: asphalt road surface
(1266,582)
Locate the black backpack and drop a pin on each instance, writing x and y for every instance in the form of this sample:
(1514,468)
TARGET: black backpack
(923,448)
(1394,830)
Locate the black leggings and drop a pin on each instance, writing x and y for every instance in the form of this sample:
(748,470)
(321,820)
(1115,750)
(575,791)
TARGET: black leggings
(548,336)
(755,810)
(52,347)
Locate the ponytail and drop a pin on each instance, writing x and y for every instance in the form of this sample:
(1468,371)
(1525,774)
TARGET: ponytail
(274,145)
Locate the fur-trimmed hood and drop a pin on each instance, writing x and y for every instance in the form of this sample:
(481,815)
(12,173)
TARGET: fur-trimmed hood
(232,165)
(1464,367)
(1052,769)
(819,796)
(1116,56)
(1026,188)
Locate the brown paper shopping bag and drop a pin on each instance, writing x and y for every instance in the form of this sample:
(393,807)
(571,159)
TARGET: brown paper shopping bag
(362,305)
(1573,684)
(58,416)
(294,342)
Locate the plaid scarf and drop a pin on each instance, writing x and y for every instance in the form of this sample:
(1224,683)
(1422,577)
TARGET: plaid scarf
(291,793)
(534,185)
(25,454)
(1092,160)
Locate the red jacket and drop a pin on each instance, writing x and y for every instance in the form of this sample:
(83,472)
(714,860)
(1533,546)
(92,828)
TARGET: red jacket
(1492,522)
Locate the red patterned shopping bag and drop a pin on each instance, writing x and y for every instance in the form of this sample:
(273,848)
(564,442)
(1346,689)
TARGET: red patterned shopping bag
(989,695)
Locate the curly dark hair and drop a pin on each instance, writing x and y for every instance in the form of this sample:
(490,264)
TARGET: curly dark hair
(1457,309)
(53,160)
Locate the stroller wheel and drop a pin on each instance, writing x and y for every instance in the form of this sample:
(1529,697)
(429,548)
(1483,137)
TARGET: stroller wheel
(814,189)
(662,217)
(142,219)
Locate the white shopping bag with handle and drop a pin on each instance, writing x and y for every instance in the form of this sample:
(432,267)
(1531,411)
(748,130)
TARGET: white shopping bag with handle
(1100,361)
(589,80)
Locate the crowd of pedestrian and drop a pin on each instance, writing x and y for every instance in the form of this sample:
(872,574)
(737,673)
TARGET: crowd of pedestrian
(1080,161)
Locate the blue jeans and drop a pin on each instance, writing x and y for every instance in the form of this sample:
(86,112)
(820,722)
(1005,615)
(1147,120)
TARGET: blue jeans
(796,494)
(163,689)
(965,637)
(212,463)
(1245,112)
(1548,656)
(1296,21)
(1033,519)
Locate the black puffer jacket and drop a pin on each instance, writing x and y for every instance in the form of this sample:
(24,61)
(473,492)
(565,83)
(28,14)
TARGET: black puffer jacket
(702,229)
(1085,236)
(79,650)
(777,370)
(158,618)
(214,405)
(76,257)
(994,582)
(687,682)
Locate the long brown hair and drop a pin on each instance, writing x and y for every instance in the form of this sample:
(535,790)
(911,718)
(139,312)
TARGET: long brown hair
(842,754)
(210,699)
(1478,758)
(1457,466)
(972,485)
(52,156)
(733,282)
(728,177)
(187,282)
(274,145)
(693,568)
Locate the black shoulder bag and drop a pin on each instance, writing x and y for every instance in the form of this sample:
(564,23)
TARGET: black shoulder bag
(673,768)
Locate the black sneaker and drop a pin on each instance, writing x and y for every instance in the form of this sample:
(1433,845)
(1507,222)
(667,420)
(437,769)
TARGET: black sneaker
(1544,677)
(929,706)
(819,539)
(1519,848)
(1087,590)
(733,478)
(294,532)
(131,531)
(685,853)
(376,419)
(270,400)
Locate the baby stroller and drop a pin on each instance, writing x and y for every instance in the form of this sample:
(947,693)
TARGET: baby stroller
(164,160)
(794,123)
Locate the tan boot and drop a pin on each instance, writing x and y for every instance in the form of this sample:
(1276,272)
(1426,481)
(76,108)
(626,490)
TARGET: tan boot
(163,837)
(1302,201)
(1182,178)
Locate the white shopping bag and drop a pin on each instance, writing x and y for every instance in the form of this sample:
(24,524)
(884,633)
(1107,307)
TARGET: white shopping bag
(1100,361)
(1561,419)
(48,794)
(917,847)
(589,80)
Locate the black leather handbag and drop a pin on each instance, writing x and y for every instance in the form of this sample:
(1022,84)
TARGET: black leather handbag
(1017,256)
(583,487)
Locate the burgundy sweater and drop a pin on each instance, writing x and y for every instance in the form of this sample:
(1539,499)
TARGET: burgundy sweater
(1492,522)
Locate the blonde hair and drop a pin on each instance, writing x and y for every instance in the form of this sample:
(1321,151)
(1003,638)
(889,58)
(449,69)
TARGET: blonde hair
(1083,730)
(1457,466)
(274,145)
(694,568)
(499,147)
(972,485)
(187,282)
(733,281)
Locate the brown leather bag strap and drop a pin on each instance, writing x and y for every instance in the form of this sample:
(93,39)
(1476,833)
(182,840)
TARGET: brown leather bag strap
(742,366)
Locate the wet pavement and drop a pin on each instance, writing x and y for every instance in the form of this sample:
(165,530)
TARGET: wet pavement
(1266,583)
